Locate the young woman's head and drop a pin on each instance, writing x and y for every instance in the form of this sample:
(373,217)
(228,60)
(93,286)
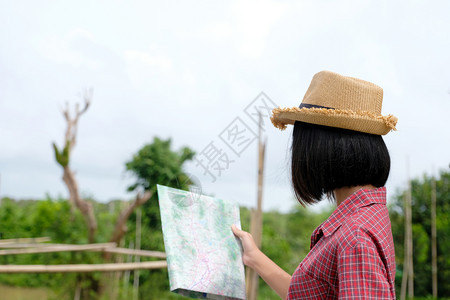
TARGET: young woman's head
(326,158)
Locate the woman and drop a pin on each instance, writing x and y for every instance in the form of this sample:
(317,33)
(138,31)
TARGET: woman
(338,152)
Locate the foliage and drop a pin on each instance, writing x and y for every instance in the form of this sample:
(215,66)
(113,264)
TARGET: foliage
(286,239)
(51,218)
(421,219)
(62,157)
(155,163)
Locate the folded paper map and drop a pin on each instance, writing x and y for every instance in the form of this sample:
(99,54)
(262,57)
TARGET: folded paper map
(204,258)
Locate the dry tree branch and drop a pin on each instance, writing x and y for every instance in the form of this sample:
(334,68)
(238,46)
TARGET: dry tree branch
(63,158)
(121,228)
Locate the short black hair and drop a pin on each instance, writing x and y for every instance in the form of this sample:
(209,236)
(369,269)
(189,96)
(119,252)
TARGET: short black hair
(327,158)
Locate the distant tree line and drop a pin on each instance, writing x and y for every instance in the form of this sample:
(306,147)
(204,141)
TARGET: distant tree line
(421,190)
(286,237)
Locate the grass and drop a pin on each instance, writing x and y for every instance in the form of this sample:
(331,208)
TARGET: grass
(24,293)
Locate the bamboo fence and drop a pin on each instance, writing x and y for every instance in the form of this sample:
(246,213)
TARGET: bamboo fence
(32,246)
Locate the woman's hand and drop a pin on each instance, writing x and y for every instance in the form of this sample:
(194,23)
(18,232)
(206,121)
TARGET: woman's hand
(251,251)
(272,274)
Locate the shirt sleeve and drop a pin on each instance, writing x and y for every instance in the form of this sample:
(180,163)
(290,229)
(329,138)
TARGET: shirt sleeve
(362,274)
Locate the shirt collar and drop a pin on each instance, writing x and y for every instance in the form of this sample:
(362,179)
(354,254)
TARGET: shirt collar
(361,198)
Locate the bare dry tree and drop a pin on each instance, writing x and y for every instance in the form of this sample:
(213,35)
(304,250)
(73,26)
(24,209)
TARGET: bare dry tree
(86,208)
(63,159)
(121,228)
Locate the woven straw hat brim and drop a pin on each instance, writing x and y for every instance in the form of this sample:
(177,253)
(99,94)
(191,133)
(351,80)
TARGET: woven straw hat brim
(362,121)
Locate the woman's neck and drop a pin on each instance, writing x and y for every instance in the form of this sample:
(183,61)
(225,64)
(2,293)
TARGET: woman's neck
(343,193)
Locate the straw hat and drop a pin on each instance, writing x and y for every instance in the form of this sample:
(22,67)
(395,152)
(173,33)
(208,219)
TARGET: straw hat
(339,101)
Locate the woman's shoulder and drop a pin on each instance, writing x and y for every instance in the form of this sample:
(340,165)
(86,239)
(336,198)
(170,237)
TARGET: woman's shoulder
(367,226)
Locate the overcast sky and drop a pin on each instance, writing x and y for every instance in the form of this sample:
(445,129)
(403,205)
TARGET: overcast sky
(187,69)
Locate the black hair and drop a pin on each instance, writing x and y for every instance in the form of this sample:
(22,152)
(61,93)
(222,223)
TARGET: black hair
(327,158)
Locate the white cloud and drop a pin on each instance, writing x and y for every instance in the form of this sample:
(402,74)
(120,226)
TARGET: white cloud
(149,71)
(218,31)
(203,64)
(248,26)
(160,62)
(254,20)
(375,58)
(61,49)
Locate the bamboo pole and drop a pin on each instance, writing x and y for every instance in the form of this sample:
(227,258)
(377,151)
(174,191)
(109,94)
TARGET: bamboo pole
(59,248)
(410,246)
(126,277)
(406,254)
(137,258)
(27,245)
(77,295)
(115,276)
(38,248)
(256,217)
(408,268)
(251,277)
(146,253)
(24,240)
(433,239)
(78,268)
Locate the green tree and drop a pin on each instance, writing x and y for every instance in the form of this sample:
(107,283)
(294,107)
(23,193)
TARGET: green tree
(156,163)
(50,218)
(421,219)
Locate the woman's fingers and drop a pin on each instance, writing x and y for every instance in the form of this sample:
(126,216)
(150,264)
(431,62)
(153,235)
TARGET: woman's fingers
(237,232)
(251,251)
(243,235)
(246,238)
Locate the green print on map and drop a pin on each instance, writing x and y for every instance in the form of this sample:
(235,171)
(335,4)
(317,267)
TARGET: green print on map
(204,258)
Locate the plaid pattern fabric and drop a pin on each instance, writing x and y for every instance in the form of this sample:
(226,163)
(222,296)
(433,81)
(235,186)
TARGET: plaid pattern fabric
(352,253)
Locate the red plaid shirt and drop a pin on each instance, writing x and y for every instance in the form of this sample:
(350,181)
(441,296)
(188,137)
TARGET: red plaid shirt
(352,253)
